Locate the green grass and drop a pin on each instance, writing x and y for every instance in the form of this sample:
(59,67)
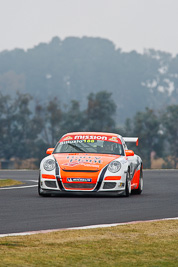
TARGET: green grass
(8,182)
(141,244)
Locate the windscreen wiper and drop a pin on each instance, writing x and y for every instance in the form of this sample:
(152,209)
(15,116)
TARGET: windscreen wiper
(77,148)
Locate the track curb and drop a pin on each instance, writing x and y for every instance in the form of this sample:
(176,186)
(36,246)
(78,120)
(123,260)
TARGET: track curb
(83,227)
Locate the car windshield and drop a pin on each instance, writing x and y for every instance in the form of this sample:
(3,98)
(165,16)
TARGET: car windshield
(89,146)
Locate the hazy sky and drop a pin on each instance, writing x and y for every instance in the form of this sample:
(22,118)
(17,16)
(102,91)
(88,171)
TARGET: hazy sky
(130,24)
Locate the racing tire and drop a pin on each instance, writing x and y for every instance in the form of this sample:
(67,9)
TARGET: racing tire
(41,192)
(127,191)
(139,190)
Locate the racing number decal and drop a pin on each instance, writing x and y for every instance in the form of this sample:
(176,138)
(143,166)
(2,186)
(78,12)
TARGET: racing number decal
(88,141)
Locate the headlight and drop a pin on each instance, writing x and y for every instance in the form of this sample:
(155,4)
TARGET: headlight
(114,166)
(49,165)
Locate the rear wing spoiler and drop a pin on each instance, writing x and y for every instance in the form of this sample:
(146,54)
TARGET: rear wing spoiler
(131,140)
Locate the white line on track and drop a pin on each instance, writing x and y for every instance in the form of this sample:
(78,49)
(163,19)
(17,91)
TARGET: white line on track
(36,181)
(17,187)
(84,227)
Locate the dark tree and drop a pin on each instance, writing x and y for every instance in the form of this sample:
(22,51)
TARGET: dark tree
(100,111)
(170,128)
(146,126)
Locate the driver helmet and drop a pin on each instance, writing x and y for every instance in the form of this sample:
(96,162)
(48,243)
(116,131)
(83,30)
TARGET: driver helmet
(108,146)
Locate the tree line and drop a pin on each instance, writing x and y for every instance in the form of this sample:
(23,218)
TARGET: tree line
(75,67)
(28,127)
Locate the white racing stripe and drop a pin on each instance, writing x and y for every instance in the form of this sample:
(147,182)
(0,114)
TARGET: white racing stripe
(18,187)
(84,227)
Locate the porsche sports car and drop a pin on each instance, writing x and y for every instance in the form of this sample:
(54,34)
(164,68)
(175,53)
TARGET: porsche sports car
(91,162)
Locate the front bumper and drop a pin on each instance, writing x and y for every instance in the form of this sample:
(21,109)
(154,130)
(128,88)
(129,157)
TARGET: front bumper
(105,186)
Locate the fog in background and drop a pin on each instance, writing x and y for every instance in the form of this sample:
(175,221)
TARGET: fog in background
(81,74)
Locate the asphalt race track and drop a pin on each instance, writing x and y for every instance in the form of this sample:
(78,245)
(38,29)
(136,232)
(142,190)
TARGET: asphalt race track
(21,209)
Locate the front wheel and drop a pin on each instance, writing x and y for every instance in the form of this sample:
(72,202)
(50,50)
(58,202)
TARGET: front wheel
(40,191)
(128,185)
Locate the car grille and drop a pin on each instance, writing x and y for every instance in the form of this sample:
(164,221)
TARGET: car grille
(50,184)
(78,186)
(109,185)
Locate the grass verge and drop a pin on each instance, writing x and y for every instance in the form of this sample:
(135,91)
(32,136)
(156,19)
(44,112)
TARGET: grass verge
(141,244)
(9,182)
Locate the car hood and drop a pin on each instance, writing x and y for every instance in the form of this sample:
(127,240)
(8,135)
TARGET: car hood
(83,162)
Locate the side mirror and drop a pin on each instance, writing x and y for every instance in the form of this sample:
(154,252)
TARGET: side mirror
(129,153)
(49,151)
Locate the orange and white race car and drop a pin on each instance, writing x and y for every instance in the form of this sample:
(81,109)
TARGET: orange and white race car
(91,162)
